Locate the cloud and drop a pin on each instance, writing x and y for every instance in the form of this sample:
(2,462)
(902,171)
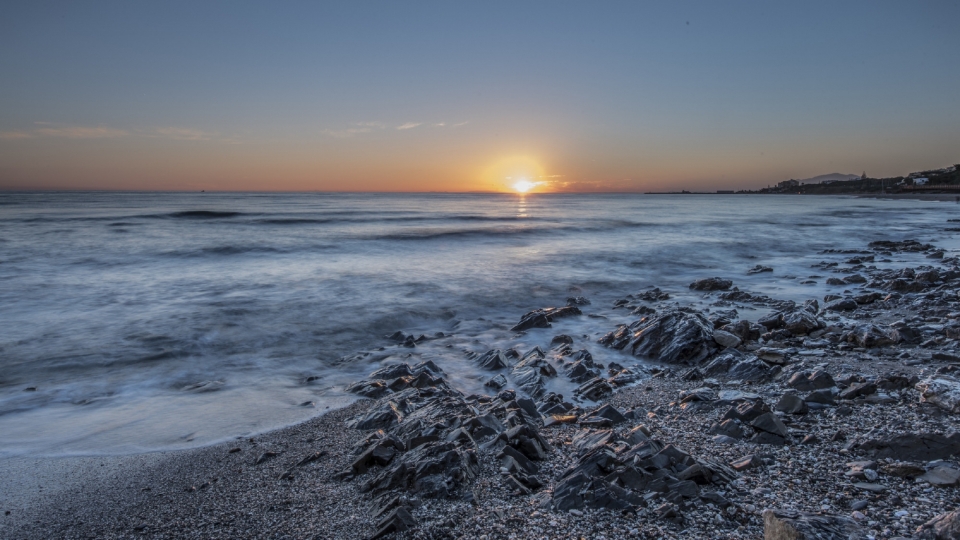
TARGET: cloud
(78,132)
(409,125)
(346,133)
(15,135)
(460,124)
(184,134)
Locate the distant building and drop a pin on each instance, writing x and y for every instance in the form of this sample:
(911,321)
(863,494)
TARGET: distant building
(920,181)
(725,191)
(829,182)
(786,184)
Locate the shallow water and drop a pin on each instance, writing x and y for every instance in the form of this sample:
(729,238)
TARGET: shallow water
(167,320)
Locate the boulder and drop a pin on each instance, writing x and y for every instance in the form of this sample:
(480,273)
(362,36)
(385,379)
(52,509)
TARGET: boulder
(758,269)
(789,525)
(941,390)
(541,318)
(803,320)
(711,284)
(675,337)
(843,304)
(805,381)
(769,423)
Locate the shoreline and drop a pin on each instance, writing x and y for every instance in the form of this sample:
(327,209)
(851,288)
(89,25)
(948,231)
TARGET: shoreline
(874,344)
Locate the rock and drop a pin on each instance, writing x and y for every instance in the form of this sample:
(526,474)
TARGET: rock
(594,389)
(941,390)
(871,335)
(859,390)
(913,446)
(653,295)
(578,301)
(821,397)
(903,469)
(759,268)
(746,411)
(497,382)
(398,520)
(941,476)
(747,462)
(541,318)
(492,360)
(727,428)
(789,525)
(675,337)
(772,321)
(772,355)
(835,281)
(853,279)
(726,339)
(769,423)
(943,527)
(704,393)
(711,284)
(803,320)
(736,365)
(805,381)
(791,403)
(843,304)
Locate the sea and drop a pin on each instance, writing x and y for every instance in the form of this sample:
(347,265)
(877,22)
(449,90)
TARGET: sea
(135,322)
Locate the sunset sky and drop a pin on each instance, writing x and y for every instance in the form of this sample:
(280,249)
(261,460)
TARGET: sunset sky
(456,96)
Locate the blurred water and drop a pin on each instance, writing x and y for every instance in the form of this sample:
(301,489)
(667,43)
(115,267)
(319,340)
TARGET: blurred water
(163,320)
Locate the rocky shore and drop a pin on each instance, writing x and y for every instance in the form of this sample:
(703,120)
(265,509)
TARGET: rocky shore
(834,418)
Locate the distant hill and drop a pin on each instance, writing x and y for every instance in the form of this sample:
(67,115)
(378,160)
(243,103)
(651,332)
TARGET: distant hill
(829,178)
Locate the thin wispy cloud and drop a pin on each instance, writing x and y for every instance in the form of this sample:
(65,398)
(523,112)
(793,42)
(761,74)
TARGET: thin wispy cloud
(360,128)
(15,135)
(184,134)
(79,132)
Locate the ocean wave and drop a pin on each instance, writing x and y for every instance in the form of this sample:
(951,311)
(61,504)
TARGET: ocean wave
(202,214)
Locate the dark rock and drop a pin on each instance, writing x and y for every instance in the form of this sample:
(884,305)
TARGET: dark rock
(711,284)
(747,411)
(541,318)
(810,439)
(737,365)
(772,321)
(747,462)
(803,320)
(561,339)
(941,476)
(653,295)
(492,360)
(859,390)
(676,336)
(763,437)
(727,428)
(791,403)
(497,382)
(398,520)
(843,304)
(913,446)
(769,423)
(805,381)
(789,525)
(758,269)
(578,301)
(822,397)
(871,335)
(594,389)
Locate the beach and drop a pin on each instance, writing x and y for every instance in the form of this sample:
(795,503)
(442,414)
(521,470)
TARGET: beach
(685,407)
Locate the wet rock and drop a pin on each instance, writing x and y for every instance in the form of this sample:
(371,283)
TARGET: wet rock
(726,339)
(941,390)
(820,397)
(711,284)
(758,269)
(776,356)
(747,411)
(578,301)
(942,527)
(736,365)
(541,318)
(803,320)
(771,321)
(676,336)
(871,335)
(492,360)
(789,525)
(497,382)
(594,389)
(653,295)
(867,298)
(843,304)
(911,446)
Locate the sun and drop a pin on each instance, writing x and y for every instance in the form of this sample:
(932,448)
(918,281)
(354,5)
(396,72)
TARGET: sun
(523,185)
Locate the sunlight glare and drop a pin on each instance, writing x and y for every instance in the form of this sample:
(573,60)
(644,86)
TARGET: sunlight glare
(523,185)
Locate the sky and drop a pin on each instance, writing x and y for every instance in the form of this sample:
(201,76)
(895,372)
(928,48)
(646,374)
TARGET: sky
(457,96)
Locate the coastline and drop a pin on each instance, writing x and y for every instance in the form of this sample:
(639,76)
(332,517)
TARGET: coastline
(295,482)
